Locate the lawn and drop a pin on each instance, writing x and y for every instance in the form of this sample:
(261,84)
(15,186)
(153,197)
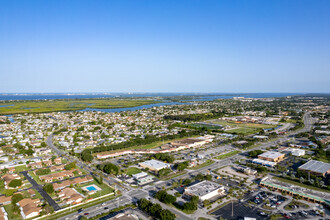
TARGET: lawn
(105,189)
(17,107)
(36,178)
(301,184)
(20,168)
(206,163)
(242,128)
(11,215)
(243,131)
(133,170)
(226,155)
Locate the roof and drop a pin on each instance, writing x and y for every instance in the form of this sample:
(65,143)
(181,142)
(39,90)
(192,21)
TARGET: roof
(155,164)
(203,188)
(315,166)
(271,154)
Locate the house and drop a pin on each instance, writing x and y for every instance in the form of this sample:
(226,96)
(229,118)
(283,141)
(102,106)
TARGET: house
(58,176)
(70,196)
(9,177)
(5,200)
(57,168)
(65,183)
(3,214)
(29,208)
(58,160)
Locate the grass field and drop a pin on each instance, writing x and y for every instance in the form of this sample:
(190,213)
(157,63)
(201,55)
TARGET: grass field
(133,170)
(11,215)
(242,128)
(232,153)
(16,107)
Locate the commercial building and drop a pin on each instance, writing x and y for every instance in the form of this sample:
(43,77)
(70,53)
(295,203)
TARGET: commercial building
(272,156)
(154,165)
(142,178)
(316,167)
(205,190)
(264,162)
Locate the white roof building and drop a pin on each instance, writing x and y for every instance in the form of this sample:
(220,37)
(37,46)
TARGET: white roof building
(205,190)
(154,165)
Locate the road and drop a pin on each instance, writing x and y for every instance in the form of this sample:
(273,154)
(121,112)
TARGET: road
(39,188)
(100,208)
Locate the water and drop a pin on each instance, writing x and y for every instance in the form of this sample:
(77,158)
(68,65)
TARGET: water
(2,106)
(197,96)
(133,108)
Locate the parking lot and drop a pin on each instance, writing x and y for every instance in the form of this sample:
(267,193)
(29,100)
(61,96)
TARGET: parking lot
(237,210)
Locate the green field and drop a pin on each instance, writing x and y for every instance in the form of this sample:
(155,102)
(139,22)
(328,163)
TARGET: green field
(232,153)
(16,107)
(212,127)
(242,128)
(133,170)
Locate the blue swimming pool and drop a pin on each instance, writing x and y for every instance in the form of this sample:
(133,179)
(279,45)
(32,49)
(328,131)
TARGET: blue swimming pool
(91,188)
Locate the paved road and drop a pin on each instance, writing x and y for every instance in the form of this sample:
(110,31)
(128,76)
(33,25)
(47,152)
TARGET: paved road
(36,186)
(100,208)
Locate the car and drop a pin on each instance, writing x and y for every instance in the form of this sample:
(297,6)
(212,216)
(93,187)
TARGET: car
(106,207)
(86,213)
(263,214)
(80,210)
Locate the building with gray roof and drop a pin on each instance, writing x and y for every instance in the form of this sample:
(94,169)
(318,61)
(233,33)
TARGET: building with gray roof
(316,167)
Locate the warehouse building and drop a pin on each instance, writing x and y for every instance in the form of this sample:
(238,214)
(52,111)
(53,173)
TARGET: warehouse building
(204,190)
(316,167)
(272,156)
(154,165)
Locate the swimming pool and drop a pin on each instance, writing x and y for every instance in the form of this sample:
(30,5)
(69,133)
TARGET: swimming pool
(91,188)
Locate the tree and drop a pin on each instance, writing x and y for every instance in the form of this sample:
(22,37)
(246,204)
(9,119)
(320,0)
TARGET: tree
(155,209)
(164,172)
(15,183)
(41,172)
(111,169)
(16,198)
(166,215)
(70,166)
(86,156)
(48,188)
(144,203)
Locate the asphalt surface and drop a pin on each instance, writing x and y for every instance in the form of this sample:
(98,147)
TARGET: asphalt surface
(39,188)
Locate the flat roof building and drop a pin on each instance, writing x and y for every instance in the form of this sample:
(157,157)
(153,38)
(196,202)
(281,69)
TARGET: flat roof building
(204,190)
(316,167)
(154,165)
(272,156)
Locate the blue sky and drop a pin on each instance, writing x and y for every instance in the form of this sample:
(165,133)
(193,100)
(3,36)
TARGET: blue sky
(164,46)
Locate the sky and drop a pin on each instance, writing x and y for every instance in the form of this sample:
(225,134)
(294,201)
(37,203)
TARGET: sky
(164,46)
